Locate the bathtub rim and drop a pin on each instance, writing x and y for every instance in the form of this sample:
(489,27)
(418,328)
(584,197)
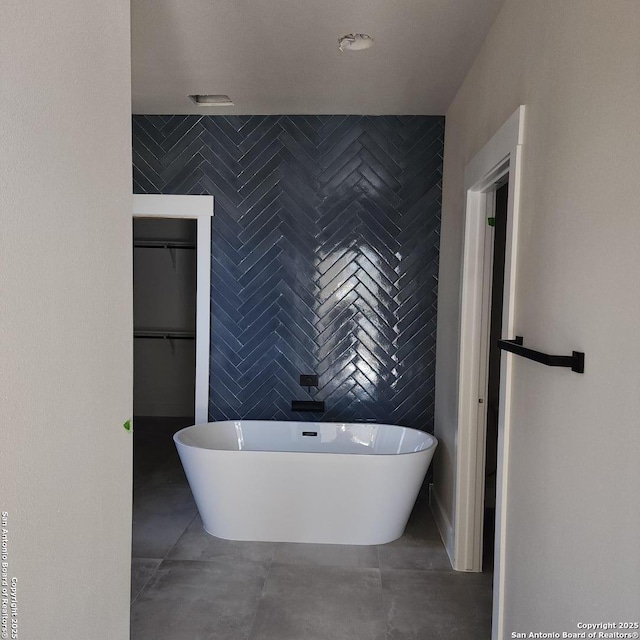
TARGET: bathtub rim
(432,446)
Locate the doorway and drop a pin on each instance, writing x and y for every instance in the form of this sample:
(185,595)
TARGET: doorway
(164,305)
(497,222)
(164,315)
(200,209)
(499,161)
(172,263)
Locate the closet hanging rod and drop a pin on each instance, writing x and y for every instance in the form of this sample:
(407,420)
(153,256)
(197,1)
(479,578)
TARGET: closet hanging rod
(165,335)
(575,361)
(161,244)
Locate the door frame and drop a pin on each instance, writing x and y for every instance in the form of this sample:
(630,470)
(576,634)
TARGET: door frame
(199,208)
(501,155)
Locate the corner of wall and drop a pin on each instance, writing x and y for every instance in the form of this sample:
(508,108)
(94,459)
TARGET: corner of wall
(442,522)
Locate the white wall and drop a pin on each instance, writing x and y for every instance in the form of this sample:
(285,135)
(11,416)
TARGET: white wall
(573,515)
(65,298)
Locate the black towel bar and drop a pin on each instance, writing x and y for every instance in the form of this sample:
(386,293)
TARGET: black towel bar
(575,361)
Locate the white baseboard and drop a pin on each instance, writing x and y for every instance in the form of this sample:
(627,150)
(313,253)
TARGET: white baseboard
(442,522)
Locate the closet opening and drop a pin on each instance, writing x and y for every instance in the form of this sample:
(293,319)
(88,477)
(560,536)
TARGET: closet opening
(164,317)
(164,364)
(172,318)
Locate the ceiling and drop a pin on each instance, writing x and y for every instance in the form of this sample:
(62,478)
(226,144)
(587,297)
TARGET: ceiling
(282,57)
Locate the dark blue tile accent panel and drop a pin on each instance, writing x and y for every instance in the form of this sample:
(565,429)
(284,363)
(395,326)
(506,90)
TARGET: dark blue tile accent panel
(324,257)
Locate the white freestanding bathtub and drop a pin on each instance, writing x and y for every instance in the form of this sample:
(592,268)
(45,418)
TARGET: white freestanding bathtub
(304,481)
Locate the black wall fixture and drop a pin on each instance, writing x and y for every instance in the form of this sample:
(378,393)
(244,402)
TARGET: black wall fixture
(309,380)
(325,246)
(575,361)
(312,406)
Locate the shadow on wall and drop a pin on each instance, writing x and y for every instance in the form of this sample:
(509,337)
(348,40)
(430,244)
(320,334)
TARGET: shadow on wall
(324,257)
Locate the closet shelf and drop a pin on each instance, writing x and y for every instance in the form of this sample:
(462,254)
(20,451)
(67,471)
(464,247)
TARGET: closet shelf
(165,335)
(163,244)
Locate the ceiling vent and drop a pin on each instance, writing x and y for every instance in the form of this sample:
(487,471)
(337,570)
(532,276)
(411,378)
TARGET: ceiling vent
(208,100)
(355,42)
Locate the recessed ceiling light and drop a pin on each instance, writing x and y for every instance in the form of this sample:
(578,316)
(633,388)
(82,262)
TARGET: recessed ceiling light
(208,100)
(355,42)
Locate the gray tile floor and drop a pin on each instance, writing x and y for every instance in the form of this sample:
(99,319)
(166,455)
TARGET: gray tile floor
(188,585)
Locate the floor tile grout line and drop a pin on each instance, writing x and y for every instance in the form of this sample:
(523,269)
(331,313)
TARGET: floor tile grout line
(144,586)
(161,561)
(264,585)
(385,622)
(173,546)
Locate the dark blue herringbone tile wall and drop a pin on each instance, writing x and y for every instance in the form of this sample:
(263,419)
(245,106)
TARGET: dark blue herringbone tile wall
(325,256)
